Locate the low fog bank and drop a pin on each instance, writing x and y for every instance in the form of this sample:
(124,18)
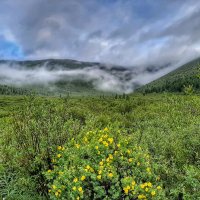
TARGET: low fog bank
(106,78)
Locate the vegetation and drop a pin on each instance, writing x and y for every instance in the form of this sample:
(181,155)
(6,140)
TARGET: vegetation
(158,136)
(9,90)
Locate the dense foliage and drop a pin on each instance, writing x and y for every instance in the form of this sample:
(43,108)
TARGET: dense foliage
(34,131)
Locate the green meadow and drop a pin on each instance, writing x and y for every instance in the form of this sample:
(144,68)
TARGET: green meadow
(102,147)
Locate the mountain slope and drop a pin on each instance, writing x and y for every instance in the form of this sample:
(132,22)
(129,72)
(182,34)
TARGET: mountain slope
(175,81)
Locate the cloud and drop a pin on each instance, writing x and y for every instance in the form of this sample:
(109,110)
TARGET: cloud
(105,78)
(134,33)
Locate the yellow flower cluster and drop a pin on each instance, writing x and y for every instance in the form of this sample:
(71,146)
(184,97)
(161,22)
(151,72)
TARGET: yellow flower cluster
(80,189)
(88,168)
(59,155)
(104,167)
(110,175)
(60,148)
(57,192)
(141,196)
(105,139)
(129,188)
(77,146)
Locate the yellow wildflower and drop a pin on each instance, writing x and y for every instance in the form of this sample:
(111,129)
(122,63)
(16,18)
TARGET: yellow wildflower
(153,193)
(141,196)
(118,145)
(59,147)
(149,184)
(75,180)
(111,156)
(106,129)
(99,177)
(130,160)
(96,147)
(83,178)
(85,139)
(128,151)
(56,193)
(110,175)
(138,164)
(159,188)
(77,146)
(98,152)
(88,167)
(105,136)
(110,140)
(148,169)
(146,189)
(145,184)
(133,183)
(49,171)
(101,163)
(74,188)
(105,143)
(142,186)
(125,190)
(80,189)
(100,140)
(54,187)
(59,155)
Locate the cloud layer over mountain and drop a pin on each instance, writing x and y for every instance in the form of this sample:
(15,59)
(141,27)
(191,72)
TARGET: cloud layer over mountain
(100,77)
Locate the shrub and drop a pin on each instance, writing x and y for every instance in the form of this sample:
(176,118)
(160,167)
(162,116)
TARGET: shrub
(37,129)
(188,90)
(103,165)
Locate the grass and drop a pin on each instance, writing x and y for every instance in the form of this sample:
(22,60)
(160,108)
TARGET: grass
(167,125)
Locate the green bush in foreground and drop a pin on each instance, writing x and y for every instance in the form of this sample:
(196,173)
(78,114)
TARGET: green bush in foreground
(102,165)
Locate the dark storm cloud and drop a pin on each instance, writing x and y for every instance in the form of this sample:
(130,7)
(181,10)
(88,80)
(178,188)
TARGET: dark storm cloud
(135,33)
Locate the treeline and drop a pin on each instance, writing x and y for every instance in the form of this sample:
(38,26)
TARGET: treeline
(176,85)
(9,90)
(185,76)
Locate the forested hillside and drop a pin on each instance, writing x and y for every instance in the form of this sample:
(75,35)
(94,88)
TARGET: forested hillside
(177,80)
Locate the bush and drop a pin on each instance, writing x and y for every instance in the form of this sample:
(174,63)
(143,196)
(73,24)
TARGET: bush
(188,90)
(37,129)
(103,165)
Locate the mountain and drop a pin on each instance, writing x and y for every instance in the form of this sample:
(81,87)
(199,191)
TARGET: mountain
(64,76)
(175,81)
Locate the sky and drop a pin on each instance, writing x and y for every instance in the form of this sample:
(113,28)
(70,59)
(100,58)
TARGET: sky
(122,32)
